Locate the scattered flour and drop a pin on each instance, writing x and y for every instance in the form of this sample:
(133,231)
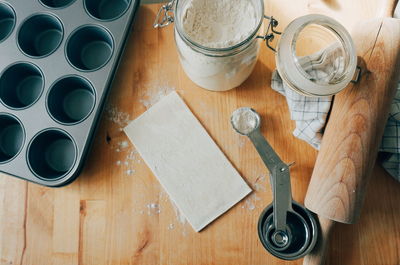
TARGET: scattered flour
(116,116)
(153,209)
(152,205)
(129,163)
(123,144)
(131,157)
(260,184)
(251,201)
(130,171)
(153,95)
(249,205)
(260,187)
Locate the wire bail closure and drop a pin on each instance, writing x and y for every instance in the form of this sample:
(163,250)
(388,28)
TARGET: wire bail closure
(270,33)
(165,15)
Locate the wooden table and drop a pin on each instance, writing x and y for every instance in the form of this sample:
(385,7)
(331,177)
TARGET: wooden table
(117,213)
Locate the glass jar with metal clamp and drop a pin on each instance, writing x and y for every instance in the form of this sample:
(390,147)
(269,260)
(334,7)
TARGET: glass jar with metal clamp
(216,69)
(315,55)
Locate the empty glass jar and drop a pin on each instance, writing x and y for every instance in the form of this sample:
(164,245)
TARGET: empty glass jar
(316,56)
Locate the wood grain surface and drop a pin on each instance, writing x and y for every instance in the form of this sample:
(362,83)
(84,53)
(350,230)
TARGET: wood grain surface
(117,213)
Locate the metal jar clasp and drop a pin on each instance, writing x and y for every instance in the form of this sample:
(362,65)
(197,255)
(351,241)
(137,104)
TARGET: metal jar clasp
(270,32)
(165,15)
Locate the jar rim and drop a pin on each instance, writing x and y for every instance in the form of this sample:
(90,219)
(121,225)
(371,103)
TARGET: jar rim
(200,47)
(288,67)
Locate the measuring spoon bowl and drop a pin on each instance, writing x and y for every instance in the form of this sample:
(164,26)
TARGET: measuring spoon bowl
(245,120)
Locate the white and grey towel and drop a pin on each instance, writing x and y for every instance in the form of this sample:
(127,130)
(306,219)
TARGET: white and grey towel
(310,113)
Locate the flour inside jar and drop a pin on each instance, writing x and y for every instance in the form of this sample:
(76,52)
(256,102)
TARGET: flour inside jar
(219,23)
(216,40)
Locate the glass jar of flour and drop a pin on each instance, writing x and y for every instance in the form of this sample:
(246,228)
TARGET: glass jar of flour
(218,46)
(216,40)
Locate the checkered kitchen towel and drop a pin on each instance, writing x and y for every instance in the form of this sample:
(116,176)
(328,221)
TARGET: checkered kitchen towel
(310,113)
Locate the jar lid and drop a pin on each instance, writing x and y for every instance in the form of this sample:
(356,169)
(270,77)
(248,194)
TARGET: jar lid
(327,60)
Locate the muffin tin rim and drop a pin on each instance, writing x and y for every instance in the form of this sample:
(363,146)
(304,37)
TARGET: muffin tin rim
(51,88)
(28,148)
(41,91)
(48,13)
(56,8)
(106,20)
(89,25)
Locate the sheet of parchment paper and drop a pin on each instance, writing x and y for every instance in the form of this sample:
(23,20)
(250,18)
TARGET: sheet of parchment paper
(189,165)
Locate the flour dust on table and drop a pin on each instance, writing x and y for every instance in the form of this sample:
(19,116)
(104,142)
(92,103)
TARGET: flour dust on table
(154,94)
(117,116)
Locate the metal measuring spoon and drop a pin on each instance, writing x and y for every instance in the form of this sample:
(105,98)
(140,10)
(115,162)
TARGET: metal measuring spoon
(286,229)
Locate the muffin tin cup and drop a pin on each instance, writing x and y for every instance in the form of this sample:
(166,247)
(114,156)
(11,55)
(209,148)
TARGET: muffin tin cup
(40,35)
(56,3)
(57,65)
(89,48)
(12,137)
(71,99)
(106,10)
(7,20)
(21,85)
(51,154)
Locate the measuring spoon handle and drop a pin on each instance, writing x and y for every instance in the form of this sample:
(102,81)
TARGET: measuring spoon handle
(280,179)
(264,149)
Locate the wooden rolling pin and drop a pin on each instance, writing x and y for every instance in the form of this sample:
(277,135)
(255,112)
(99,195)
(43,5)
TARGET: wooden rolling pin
(354,131)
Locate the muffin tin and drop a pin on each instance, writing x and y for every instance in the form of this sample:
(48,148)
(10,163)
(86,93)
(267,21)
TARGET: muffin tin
(58,59)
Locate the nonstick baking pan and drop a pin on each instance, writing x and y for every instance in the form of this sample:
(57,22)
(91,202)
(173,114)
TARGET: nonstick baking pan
(57,62)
